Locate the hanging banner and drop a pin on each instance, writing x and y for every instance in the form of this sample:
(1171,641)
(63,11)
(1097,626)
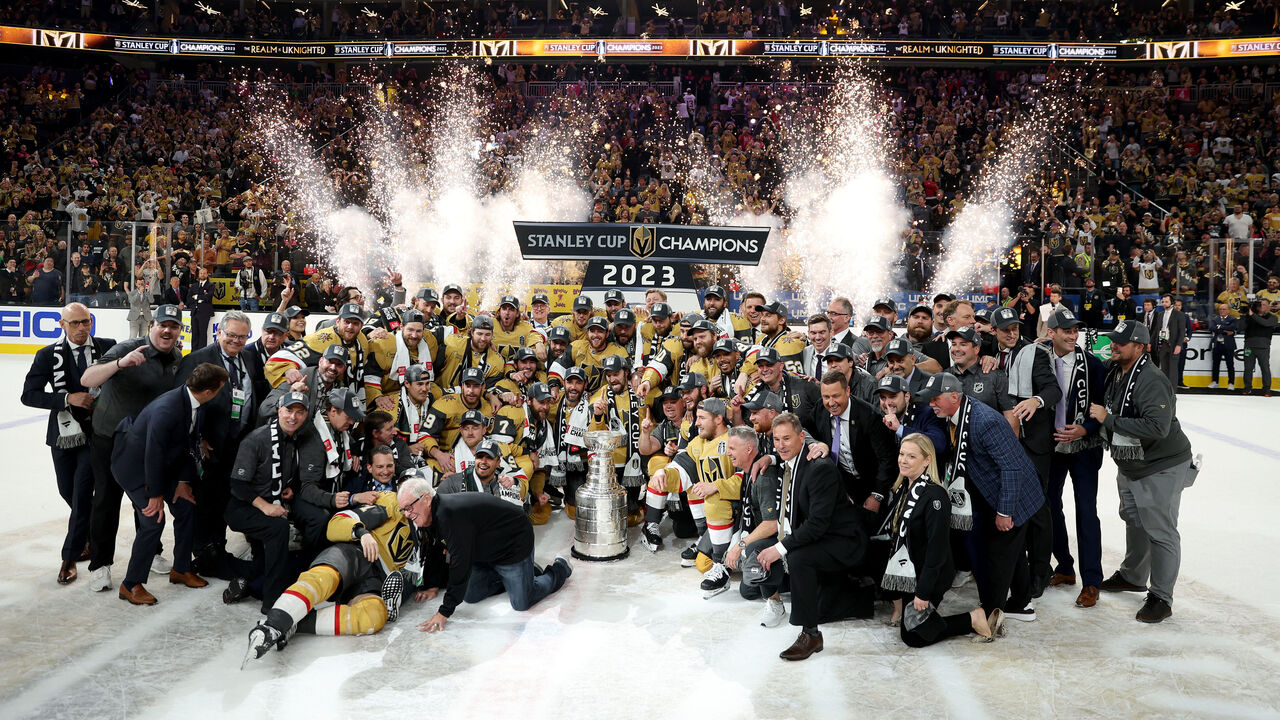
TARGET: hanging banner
(655,243)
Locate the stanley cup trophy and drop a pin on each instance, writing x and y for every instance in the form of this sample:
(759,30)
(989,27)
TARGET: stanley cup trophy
(601,530)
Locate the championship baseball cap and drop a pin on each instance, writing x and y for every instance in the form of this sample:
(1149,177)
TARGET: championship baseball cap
(524,353)
(473,417)
(411,316)
(488,447)
(509,300)
(471,374)
(1063,318)
(922,308)
(704,325)
(598,321)
(576,371)
(767,356)
(540,391)
(351,311)
(878,322)
(560,333)
(452,288)
(275,321)
(168,313)
(660,310)
(940,383)
(943,297)
(982,315)
(965,333)
(1004,317)
(582,302)
(715,406)
(1130,331)
(428,294)
(839,350)
(763,399)
(690,318)
(613,363)
(337,353)
(614,296)
(294,311)
(293,398)
(899,347)
(692,381)
(348,402)
(540,298)
(774,308)
(887,303)
(725,345)
(670,393)
(482,322)
(892,384)
(624,316)
(416,373)
(717,291)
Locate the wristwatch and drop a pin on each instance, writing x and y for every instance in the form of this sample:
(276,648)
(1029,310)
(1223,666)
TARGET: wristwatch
(742,544)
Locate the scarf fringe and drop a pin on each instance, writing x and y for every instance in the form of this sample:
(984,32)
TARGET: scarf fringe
(898,583)
(632,480)
(1127,452)
(67,442)
(961,522)
(1075,446)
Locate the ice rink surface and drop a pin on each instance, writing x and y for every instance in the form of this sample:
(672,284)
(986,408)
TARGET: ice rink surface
(635,639)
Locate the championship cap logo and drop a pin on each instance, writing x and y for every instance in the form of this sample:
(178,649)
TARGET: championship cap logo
(643,242)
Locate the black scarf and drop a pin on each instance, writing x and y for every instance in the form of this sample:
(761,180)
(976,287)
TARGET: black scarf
(631,476)
(1122,446)
(958,471)
(277,461)
(900,572)
(1078,403)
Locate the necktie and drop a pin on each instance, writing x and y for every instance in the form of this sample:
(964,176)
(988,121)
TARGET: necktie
(1060,410)
(1004,359)
(835,438)
(786,495)
(81,362)
(951,430)
(233,364)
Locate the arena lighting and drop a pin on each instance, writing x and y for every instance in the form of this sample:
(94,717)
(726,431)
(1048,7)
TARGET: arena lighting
(805,11)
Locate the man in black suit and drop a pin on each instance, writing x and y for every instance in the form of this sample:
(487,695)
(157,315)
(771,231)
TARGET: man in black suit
(53,384)
(175,294)
(156,460)
(864,451)
(915,273)
(231,415)
(1170,331)
(13,286)
(820,538)
(200,302)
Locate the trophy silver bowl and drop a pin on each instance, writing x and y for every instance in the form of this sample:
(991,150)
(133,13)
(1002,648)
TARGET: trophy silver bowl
(600,532)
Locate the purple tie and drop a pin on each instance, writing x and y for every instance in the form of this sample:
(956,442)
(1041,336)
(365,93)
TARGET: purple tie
(835,438)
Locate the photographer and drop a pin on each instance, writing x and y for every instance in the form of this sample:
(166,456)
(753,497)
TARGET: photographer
(1259,326)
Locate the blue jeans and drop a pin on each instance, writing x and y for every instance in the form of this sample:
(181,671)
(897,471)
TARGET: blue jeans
(248,304)
(524,588)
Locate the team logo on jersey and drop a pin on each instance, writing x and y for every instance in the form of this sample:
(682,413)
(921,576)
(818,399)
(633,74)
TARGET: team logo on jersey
(977,387)
(721,448)
(643,241)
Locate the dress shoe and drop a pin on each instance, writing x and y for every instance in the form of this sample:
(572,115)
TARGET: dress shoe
(67,573)
(138,595)
(1154,610)
(635,517)
(1062,579)
(1088,596)
(1117,583)
(84,555)
(804,646)
(189,579)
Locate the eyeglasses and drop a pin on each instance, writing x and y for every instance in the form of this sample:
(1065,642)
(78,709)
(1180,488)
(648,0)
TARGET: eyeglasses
(233,336)
(76,323)
(833,312)
(405,510)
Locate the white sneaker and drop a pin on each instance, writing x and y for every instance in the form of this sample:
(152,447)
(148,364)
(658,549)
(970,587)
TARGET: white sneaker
(1231,386)
(1213,385)
(773,614)
(962,578)
(160,566)
(100,579)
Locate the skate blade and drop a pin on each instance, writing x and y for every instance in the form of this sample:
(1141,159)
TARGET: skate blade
(708,594)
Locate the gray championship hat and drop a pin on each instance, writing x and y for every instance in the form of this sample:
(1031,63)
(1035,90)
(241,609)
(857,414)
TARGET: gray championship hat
(524,353)
(715,406)
(878,322)
(1130,331)
(774,308)
(582,302)
(1063,318)
(576,371)
(983,315)
(886,303)
(511,300)
(614,296)
(337,353)
(899,347)
(416,373)
(1004,317)
(294,311)
(725,345)
(411,316)
(275,321)
(559,332)
(704,326)
(540,391)
(351,311)
(921,307)
(660,310)
(294,398)
(624,316)
(767,356)
(348,402)
(839,350)
(598,321)
(692,381)
(763,399)
(428,294)
(482,322)
(717,291)
(473,417)
(892,383)
(488,447)
(965,333)
(690,318)
(168,313)
(613,363)
(471,374)
(452,287)
(540,298)
(938,384)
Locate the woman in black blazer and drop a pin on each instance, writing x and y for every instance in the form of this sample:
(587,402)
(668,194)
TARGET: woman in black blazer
(919,533)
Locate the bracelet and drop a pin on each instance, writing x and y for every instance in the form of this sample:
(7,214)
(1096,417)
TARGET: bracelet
(118,364)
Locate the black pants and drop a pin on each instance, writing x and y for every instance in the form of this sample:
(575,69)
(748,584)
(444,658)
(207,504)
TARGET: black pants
(1221,354)
(73,468)
(1004,576)
(104,518)
(312,522)
(146,543)
(1040,526)
(212,495)
(199,331)
(936,628)
(1262,358)
(269,540)
(817,573)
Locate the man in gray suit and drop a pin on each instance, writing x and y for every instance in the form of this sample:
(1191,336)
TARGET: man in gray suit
(1169,328)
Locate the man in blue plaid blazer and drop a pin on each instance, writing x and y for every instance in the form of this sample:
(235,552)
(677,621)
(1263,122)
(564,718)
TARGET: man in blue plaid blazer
(1004,490)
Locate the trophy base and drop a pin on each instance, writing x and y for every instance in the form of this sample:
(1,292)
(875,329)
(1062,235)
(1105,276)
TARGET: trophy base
(597,558)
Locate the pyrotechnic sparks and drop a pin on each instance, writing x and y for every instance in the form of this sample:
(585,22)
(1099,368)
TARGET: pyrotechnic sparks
(134,4)
(1234,5)
(805,11)
(660,11)
(207,10)
(597,12)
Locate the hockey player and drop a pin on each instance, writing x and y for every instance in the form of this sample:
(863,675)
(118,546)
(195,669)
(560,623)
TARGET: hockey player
(589,353)
(492,470)
(570,417)
(417,393)
(775,335)
(512,331)
(472,350)
(392,356)
(445,420)
(615,407)
(715,303)
(287,364)
(705,472)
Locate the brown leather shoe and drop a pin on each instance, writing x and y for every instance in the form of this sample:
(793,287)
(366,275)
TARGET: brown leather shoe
(804,646)
(635,518)
(1088,596)
(67,573)
(1062,579)
(189,579)
(84,555)
(138,595)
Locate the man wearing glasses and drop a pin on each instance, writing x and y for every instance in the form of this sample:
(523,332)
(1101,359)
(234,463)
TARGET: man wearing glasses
(840,310)
(53,383)
(229,417)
